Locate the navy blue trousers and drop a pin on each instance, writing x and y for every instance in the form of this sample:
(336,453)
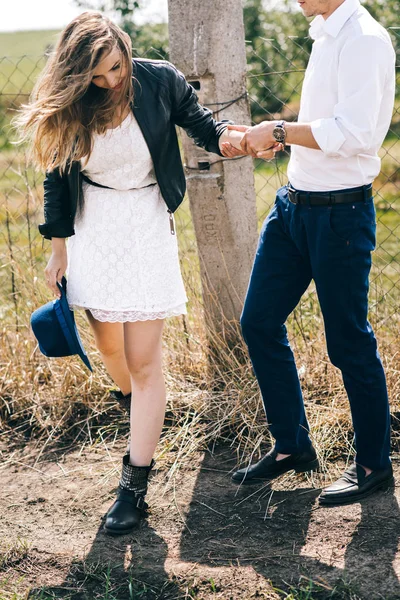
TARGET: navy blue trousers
(331,245)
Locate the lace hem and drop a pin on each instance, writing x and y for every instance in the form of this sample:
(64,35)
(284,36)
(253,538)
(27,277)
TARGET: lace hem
(128,316)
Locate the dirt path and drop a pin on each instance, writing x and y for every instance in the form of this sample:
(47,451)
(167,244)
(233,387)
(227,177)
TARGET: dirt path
(205,538)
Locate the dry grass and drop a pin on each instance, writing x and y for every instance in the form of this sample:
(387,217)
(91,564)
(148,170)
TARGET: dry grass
(212,394)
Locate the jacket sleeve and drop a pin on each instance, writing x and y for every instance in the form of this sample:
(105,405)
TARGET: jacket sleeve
(58,220)
(187,113)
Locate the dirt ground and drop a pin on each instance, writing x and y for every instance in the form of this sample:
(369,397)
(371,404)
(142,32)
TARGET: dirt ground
(205,537)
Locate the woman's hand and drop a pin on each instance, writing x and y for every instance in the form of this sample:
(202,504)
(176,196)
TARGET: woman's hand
(57,265)
(229,151)
(229,143)
(233,143)
(256,140)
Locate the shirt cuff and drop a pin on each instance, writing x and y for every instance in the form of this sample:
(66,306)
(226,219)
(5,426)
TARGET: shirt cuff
(328,135)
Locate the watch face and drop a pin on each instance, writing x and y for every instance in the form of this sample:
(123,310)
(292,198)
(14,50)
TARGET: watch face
(279,134)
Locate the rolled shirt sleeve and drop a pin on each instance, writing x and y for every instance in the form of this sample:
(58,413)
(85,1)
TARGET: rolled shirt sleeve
(364,72)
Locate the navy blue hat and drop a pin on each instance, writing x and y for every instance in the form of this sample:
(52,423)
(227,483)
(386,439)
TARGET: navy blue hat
(54,327)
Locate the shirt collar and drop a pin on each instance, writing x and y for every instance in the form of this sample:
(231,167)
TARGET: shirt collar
(333,24)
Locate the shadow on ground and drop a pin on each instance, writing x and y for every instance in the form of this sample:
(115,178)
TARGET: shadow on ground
(208,539)
(288,539)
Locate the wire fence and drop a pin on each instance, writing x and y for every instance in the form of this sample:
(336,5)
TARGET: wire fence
(275,74)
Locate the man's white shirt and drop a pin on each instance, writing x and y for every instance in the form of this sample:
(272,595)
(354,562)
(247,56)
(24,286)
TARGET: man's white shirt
(347,97)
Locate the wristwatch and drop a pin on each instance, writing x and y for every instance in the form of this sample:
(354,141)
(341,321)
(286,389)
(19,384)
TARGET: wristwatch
(279,132)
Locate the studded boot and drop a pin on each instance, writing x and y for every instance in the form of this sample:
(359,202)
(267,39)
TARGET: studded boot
(129,508)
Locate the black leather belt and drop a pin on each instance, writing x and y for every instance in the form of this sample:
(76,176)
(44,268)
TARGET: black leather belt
(359,194)
(86,178)
(99,185)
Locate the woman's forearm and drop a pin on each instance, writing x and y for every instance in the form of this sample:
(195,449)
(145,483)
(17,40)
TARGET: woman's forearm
(58,245)
(233,137)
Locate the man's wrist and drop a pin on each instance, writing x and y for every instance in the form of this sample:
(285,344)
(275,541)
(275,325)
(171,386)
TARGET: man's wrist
(294,131)
(289,133)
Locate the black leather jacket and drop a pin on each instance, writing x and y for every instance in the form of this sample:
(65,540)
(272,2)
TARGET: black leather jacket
(162,99)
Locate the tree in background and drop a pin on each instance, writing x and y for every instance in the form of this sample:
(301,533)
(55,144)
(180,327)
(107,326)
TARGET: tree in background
(149,40)
(277,53)
(279,47)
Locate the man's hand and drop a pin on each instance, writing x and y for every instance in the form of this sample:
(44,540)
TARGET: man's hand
(258,141)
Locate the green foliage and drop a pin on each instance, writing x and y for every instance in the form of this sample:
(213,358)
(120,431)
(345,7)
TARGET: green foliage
(123,8)
(278,49)
(385,11)
(277,53)
(151,41)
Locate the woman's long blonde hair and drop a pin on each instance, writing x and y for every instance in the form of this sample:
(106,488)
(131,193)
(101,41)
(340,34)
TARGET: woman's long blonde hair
(65,108)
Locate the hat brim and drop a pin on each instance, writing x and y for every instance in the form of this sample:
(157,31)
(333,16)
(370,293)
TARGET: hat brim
(67,321)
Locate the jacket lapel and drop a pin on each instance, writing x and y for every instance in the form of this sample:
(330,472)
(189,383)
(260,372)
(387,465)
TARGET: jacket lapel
(139,85)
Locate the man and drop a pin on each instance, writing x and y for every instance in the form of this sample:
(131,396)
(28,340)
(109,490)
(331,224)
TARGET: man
(322,227)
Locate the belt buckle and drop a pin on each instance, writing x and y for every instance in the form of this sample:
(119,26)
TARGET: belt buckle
(294,193)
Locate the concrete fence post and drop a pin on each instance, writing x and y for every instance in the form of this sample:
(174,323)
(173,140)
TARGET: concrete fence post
(207,44)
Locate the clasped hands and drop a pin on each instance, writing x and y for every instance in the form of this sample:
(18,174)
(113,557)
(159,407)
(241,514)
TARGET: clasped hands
(257,141)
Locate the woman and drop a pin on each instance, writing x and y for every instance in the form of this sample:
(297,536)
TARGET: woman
(103,128)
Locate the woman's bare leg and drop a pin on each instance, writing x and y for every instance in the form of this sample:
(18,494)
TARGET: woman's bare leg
(143,352)
(109,339)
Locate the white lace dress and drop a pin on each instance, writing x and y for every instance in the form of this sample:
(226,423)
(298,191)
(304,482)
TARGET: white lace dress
(123,262)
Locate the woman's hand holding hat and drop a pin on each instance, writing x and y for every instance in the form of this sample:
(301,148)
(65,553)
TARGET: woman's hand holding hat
(57,265)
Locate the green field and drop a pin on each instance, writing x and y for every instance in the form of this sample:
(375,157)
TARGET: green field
(21,59)
(32,43)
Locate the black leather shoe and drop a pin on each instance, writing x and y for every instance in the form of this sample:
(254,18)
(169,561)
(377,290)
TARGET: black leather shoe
(355,484)
(268,467)
(126,513)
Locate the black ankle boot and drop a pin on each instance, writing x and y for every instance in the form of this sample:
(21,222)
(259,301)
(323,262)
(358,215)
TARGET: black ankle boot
(129,507)
(123,400)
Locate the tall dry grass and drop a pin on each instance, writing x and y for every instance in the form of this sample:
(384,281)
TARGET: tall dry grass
(51,404)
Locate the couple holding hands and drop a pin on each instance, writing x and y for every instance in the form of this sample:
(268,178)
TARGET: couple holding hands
(103,127)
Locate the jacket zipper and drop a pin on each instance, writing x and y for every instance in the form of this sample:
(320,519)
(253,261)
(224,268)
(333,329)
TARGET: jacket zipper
(171,222)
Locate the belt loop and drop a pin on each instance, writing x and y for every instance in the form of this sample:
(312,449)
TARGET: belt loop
(308,199)
(365,193)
